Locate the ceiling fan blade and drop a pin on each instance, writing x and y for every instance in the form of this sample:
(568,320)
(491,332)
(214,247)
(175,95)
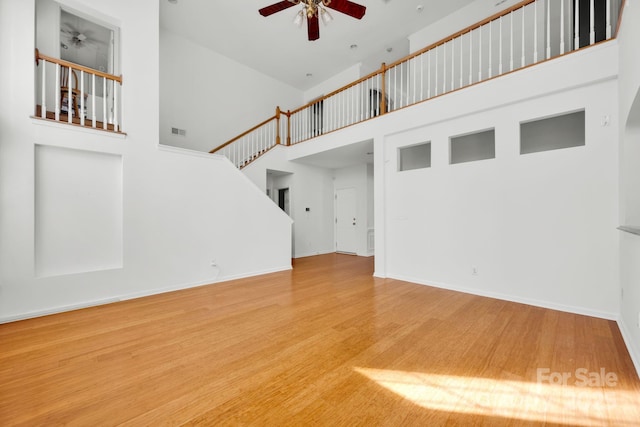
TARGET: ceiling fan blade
(276,7)
(313,26)
(348,8)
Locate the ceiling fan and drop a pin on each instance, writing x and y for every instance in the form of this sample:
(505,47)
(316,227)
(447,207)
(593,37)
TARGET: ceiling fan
(76,38)
(314,10)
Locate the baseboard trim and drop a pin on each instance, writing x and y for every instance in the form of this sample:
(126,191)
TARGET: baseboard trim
(511,298)
(56,310)
(136,295)
(212,281)
(626,337)
(306,255)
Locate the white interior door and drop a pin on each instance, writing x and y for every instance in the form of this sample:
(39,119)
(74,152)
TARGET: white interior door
(346,220)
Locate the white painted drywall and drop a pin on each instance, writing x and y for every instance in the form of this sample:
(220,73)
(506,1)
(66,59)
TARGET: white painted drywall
(180,210)
(309,187)
(347,76)
(212,97)
(539,228)
(629,128)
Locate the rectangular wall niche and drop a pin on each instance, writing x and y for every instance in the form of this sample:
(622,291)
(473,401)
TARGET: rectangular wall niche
(553,133)
(78,211)
(414,157)
(473,147)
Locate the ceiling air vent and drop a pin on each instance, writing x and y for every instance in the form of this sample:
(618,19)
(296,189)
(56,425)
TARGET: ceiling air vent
(176,131)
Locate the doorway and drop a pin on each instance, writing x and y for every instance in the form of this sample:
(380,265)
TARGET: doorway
(283,199)
(346,221)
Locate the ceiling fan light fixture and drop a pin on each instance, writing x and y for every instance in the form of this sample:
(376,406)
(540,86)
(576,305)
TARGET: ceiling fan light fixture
(298,19)
(315,11)
(325,16)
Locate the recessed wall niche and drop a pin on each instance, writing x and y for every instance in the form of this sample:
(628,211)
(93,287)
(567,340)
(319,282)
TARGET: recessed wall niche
(414,157)
(552,133)
(78,211)
(473,146)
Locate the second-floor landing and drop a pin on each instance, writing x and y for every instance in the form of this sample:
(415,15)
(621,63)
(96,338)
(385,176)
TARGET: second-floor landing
(579,69)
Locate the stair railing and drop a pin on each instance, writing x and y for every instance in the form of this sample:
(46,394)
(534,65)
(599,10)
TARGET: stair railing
(528,33)
(75,94)
(249,145)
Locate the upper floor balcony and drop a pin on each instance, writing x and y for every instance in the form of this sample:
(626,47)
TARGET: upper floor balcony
(529,33)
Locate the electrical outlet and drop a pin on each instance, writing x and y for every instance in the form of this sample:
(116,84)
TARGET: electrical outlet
(474,271)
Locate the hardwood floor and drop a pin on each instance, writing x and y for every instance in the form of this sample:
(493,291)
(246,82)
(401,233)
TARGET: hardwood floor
(324,344)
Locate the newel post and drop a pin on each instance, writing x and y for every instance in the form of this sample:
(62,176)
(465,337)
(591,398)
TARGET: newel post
(383,101)
(277,125)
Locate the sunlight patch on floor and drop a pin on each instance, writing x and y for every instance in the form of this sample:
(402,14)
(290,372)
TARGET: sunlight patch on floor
(530,401)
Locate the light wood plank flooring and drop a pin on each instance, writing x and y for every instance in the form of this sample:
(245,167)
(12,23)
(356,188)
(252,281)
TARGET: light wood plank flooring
(324,344)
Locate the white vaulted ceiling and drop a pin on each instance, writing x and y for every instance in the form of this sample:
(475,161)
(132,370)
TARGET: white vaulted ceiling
(276,47)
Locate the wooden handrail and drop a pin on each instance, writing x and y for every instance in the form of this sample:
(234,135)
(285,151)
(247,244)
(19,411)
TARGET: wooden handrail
(384,68)
(243,134)
(337,91)
(62,62)
(461,32)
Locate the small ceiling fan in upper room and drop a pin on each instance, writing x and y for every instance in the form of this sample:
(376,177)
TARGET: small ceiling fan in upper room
(314,10)
(75,38)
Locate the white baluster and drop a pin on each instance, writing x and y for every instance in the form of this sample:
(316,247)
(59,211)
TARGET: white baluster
(70,96)
(57,104)
(435,86)
(535,32)
(366,101)
(104,102)
(470,56)
(489,71)
(413,61)
(511,43)
(93,100)
(116,126)
(393,95)
(444,67)
(461,60)
(43,108)
(81,98)
(453,62)
(609,19)
(549,29)
(522,61)
(562,27)
(592,27)
(500,61)
(429,75)
(480,54)
(576,26)
(421,76)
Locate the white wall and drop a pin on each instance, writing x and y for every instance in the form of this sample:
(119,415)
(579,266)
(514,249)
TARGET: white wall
(539,228)
(629,128)
(212,97)
(309,187)
(341,79)
(176,216)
